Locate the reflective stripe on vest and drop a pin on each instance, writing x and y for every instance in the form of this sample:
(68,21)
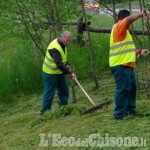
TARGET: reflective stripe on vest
(121,52)
(49,66)
(121,44)
(49,59)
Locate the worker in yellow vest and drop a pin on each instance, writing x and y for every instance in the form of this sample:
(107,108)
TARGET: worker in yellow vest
(122,58)
(55,67)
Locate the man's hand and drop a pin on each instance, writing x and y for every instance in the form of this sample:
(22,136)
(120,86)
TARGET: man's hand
(145,52)
(146,15)
(67,65)
(72,75)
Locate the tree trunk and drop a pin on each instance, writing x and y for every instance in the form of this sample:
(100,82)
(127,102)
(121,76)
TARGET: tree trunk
(106,30)
(93,68)
(146,59)
(80,30)
(73,92)
(114,8)
(52,18)
(58,19)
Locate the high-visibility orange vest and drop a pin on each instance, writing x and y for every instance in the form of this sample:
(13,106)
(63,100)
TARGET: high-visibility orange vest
(121,52)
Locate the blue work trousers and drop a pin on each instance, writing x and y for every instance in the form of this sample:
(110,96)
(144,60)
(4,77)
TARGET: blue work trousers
(54,82)
(125,96)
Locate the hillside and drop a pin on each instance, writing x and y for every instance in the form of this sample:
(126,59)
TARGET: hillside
(21,126)
(26,29)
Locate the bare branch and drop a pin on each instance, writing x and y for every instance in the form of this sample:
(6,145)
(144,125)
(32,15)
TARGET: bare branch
(27,28)
(111,10)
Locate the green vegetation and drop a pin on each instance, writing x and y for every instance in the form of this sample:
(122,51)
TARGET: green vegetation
(21,88)
(21,125)
(20,71)
(19,74)
(21,61)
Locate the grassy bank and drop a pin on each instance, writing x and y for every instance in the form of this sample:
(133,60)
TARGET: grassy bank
(21,125)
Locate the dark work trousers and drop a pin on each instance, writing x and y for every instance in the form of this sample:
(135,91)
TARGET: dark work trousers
(125,96)
(54,82)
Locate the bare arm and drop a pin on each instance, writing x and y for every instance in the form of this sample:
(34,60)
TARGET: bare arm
(134,17)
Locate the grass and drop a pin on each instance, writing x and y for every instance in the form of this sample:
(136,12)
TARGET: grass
(21,83)
(18,69)
(21,124)
(21,74)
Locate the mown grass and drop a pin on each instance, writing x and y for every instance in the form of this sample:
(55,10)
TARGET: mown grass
(21,125)
(20,76)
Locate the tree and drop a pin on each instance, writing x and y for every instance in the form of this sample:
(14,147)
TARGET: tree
(44,19)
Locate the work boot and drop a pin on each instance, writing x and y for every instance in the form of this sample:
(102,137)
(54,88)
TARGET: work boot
(132,112)
(41,113)
(127,117)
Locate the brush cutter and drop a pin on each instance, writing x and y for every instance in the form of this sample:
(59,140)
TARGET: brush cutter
(95,106)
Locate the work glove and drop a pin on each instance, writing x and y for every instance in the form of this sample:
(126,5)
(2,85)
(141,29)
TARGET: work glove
(67,65)
(72,75)
(145,52)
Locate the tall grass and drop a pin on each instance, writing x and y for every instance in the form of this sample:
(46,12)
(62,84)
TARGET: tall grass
(18,72)
(79,57)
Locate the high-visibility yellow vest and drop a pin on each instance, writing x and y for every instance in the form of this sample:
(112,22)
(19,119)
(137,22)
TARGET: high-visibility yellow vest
(121,52)
(49,66)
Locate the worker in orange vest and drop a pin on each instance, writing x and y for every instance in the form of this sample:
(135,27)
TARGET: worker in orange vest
(122,59)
